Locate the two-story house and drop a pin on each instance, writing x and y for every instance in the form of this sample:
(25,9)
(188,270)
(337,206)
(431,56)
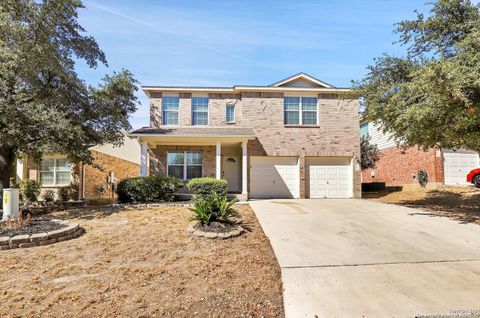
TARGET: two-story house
(297,138)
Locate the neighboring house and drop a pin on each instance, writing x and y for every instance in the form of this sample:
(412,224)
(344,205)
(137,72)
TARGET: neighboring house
(399,166)
(55,171)
(295,138)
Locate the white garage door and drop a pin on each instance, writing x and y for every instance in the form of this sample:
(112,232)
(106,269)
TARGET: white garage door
(274,177)
(457,164)
(329,177)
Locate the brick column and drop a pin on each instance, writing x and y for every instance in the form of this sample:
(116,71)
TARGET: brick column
(301,162)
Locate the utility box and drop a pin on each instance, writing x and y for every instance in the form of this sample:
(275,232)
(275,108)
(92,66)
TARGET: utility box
(10,203)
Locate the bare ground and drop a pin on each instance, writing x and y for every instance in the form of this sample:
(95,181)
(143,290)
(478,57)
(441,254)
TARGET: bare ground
(459,203)
(142,263)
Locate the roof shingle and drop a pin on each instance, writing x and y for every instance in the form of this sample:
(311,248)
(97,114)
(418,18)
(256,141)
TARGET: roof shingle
(191,131)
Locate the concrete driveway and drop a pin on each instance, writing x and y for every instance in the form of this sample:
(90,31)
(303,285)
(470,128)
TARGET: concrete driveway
(359,258)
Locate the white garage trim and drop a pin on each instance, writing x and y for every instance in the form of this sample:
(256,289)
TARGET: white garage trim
(457,164)
(274,177)
(329,177)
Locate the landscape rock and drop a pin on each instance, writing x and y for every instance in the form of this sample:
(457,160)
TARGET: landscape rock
(210,235)
(4,240)
(18,239)
(39,237)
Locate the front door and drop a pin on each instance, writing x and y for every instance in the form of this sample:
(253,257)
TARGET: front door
(231,172)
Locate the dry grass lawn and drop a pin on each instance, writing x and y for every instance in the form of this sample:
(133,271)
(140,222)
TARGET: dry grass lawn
(142,263)
(459,203)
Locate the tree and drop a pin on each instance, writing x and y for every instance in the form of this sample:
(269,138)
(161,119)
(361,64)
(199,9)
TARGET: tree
(431,96)
(369,154)
(44,106)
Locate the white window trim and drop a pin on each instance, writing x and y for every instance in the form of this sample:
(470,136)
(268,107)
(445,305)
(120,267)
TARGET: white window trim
(300,110)
(178,111)
(184,162)
(54,184)
(226,113)
(208,110)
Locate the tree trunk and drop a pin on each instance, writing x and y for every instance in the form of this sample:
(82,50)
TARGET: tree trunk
(7,166)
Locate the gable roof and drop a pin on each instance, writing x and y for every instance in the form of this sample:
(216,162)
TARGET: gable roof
(303,77)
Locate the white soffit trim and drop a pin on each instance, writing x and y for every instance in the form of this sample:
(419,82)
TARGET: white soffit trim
(302,76)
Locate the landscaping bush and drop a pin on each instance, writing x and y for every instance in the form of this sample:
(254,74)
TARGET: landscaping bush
(49,196)
(215,208)
(203,187)
(29,190)
(64,193)
(147,189)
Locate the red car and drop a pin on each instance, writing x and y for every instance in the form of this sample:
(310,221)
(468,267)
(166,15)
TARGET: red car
(474,177)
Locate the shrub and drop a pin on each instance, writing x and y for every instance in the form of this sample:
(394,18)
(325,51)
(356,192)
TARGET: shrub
(30,190)
(64,193)
(202,212)
(203,187)
(49,195)
(214,208)
(147,189)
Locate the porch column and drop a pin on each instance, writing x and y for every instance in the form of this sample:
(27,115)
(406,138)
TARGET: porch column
(218,165)
(244,168)
(143,159)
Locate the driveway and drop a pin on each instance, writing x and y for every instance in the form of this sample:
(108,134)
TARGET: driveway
(359,258)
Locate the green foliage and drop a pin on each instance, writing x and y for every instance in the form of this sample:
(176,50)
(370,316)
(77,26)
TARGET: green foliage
(369,153)
(203,187)
(49,196)
(214,207)
(148,189)
(64,193)
(30,190)
(202,212)
(44,106)
(432,95)
(222,208)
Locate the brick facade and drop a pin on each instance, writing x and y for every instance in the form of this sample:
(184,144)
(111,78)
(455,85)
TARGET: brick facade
(336,135)
(96,176)
(398,166)
(158,162)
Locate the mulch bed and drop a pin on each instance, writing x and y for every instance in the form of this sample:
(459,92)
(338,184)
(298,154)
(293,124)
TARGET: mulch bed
(36,225)
(216,227)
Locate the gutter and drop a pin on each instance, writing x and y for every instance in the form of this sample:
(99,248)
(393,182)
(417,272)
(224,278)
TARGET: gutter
(239,89)
(192,136)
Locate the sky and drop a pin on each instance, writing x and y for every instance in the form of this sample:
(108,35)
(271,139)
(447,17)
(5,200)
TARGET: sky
(226,43)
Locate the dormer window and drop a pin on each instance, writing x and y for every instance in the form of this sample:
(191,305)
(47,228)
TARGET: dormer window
(300,111)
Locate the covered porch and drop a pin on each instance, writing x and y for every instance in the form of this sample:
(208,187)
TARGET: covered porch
(188,153)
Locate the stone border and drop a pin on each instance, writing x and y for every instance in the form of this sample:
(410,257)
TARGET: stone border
(40,239)
(213,235)
(130,206)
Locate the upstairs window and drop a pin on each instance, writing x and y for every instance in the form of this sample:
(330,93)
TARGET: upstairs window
(55,172)
(300,110)
(170,110)
(185,165)
(230,118)
(200,111)
(364,130)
